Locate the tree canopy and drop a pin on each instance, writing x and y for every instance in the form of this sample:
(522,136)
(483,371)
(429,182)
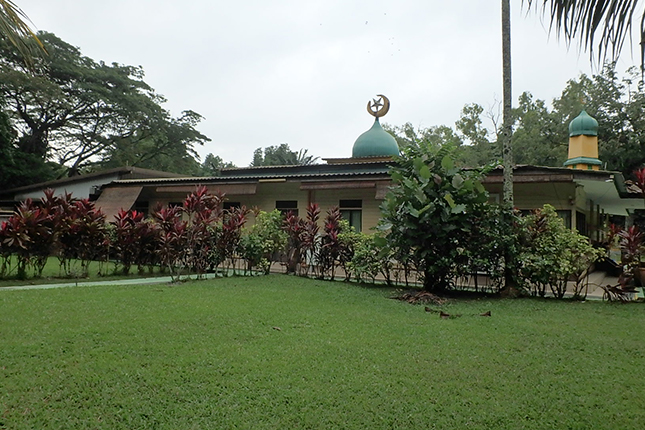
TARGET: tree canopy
(81,113)
(541,128)
(281,155)
(213,165)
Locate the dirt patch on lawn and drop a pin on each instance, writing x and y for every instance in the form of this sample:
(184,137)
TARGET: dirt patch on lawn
(418,297)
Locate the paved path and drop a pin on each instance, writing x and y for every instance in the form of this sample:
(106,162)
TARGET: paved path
(596,280)
(137,281)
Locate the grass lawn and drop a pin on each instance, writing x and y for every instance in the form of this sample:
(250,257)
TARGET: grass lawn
(52,274)
(284,352)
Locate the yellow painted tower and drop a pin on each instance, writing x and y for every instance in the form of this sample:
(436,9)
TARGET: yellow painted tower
(583,143)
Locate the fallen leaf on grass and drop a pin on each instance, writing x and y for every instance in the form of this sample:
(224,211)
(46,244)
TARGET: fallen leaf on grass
(446,316)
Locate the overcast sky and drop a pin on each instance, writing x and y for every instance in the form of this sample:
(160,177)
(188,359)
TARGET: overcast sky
(301,71)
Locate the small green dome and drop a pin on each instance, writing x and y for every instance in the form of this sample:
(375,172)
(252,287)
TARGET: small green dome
(583,124)
(375,142)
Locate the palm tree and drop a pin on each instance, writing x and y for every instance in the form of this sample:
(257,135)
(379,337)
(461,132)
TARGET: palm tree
(506,135)
(507,100)
(585,21)
(304,159)
(14,27)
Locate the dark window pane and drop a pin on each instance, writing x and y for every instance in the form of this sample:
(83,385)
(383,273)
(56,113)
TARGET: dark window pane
(141,207)
(286,204)
(351,204)
(354,217)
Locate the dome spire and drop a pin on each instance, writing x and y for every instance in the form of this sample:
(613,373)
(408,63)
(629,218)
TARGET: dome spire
(376,142)
(583,143)
(583,124)
(375,104)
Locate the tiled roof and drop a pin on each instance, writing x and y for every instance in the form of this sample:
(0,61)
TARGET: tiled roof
(337,171)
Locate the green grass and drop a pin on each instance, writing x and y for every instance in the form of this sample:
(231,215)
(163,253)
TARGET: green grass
(206,355)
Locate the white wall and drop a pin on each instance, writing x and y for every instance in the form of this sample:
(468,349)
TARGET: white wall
(79,190)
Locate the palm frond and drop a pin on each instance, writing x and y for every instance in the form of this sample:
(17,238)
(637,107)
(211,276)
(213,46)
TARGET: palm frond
(15,28)
(588,20)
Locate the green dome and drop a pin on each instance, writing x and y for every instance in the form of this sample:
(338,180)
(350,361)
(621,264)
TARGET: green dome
(375,142)
(583,124)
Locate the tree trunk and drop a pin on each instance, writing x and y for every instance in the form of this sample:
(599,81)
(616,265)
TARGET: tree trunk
(506,135)
(507,125)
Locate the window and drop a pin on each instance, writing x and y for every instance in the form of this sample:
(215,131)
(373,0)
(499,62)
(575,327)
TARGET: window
(231,205)
(352,211)
(286,206)
(493,198)
(141,207)
(581,223)
(566,217)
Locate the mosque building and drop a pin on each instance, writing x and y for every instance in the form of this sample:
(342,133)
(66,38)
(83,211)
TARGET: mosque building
(581,192)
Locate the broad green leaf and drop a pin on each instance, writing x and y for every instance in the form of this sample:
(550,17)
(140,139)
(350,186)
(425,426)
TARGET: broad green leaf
(480,187)
(426,208)
(468,185)
(418,164)
(458,209)
(408,183)
(447,163)
(424,172)
(449,199)
(380,241)
(421,196)
(482,198)
(457,181)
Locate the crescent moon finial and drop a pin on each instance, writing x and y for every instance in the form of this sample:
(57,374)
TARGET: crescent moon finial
(378,107)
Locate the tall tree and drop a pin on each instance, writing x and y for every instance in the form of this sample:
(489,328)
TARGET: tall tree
(435,136)
(540,135)
(617,103)
(213,165)
(169,147)
(479,150)
(18,168)
(76,111)
(586,20)
(470,139)
(281,155)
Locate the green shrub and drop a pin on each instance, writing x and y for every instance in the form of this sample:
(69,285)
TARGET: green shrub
(367,262)
(427,215)
(491,247)
(264,241)
(552,254)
